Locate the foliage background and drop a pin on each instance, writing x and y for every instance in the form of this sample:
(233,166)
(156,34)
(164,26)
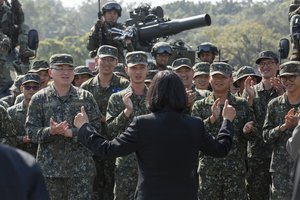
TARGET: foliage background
(240,29)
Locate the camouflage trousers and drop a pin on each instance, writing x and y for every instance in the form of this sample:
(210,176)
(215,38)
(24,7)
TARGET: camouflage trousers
(282,186)
(222,187)
(258,179)
(74,188)
(126,176)
(104,180)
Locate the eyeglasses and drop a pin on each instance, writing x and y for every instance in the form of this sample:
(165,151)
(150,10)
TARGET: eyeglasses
(291,78)
(63,69)
(28,87)
(164,49)
(266,64)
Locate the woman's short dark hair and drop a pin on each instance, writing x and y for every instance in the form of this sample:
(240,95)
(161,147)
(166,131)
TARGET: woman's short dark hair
(166,92)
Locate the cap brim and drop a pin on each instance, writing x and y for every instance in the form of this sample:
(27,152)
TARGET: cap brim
(218,72)
(259,59)
(288,74)
(246,75)
(84,73)
(133,64)
(106,55)
(180,66)
(200,73)
(63,64)
(31,81)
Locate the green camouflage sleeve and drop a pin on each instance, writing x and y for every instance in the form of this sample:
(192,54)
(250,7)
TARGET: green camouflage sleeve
(271,130)
(115,117)
(37,129)
(8,134)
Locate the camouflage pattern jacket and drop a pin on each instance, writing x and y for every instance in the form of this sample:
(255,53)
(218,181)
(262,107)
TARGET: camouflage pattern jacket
(18,115)
(257,148)
(234,162)
(116,120)
(277,109)
(8,134)
(57,155)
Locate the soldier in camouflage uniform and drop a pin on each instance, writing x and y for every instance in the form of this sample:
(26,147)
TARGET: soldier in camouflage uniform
(241,75)
(122,107)
(281,119)
(40,67)
(161,52)
(207,52)
(12,25)
(183,68)
(82,74)
(224,178)
(67,166)
(99,33)
(15,89)
(30,85)
(201,75)
(102,86)
(258,96)
(8,134)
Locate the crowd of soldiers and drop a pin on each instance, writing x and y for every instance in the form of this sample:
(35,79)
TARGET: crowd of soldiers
(38,117)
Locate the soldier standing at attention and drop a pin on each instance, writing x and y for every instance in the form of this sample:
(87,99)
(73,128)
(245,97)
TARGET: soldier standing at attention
(207,52)
(67,166)
(281,119)
(258,96)
(161,52)
(102,86)
(30,85)
(122,107)
(224,178)
(99,33)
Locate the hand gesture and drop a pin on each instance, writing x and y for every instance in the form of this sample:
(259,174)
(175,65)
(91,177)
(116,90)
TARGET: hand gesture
(81,118)
(249,87)
(191,97)
(291,119)
(128,104)
(248,127)
(276,83)
(228,111)
(58,128)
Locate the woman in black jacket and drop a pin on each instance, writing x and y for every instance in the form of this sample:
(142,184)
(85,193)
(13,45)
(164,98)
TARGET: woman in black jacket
(166,141)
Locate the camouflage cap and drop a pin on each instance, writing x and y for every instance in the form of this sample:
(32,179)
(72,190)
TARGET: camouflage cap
(136,58)
(39,65)
(267,55)
(17,83)
(201,68)
(107,51)
(290,68)
(61,59)
(31,77)
(150,75)
(82,70)
(221,68)
(181,62)
(245,71)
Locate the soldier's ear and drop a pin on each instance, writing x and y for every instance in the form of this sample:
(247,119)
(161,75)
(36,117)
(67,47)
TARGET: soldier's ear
(50,72)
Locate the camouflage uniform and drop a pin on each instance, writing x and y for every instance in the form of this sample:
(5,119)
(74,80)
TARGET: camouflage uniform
(4,104)
(101,36)
(63,160)
(281,163)
(7,130)
(15,88)
(224,178)
(18,115)
(126,172)
(104,181)
(259,153)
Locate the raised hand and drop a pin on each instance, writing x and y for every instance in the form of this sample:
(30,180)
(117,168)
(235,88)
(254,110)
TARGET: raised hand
(228,111)
(81,118)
